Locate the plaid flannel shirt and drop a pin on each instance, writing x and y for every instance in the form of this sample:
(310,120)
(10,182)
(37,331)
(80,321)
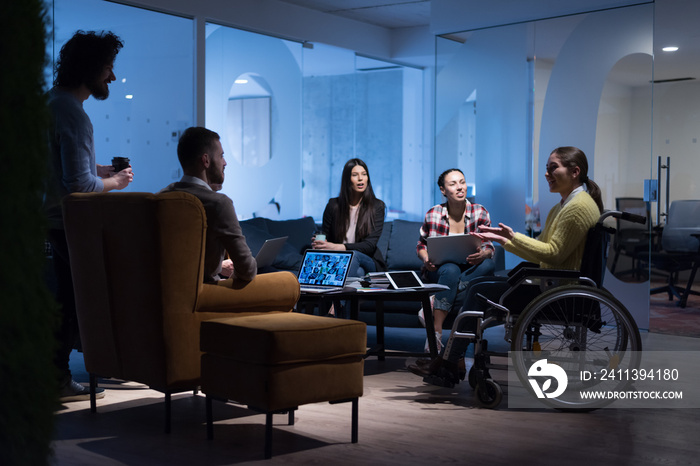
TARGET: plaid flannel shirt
(437,223)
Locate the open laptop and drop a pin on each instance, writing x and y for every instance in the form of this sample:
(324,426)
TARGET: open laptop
(324,271)
(269,251)
(452,248)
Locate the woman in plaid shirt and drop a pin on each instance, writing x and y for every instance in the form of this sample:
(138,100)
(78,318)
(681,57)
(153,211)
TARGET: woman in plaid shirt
(456,216)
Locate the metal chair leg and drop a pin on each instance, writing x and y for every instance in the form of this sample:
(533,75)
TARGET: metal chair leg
(167,412)
(355,417)
(268,436)
(210,419)
(93,397)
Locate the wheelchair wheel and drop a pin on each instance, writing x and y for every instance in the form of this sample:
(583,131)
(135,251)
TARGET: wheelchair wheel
(489,394)
(582,332)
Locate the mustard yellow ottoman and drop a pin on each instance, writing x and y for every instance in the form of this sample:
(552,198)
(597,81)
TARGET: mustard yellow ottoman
(275,362)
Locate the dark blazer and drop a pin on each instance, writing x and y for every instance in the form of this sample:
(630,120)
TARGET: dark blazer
(367,245)
(223,234)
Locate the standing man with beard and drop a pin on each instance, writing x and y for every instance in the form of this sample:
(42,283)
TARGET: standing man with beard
(202,159)
(84,68)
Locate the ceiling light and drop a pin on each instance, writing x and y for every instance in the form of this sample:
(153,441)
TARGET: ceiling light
(241,81)
(129,96)
(670,49)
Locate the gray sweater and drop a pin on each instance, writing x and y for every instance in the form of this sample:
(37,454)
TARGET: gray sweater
(72,166)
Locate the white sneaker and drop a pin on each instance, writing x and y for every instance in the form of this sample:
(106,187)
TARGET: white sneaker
(438,343)
(73,391)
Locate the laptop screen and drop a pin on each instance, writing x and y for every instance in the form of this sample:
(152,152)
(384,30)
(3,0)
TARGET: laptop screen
(325,268)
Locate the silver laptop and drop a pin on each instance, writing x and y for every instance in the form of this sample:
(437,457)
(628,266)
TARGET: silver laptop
(324,271)
(452,248)
(269,251)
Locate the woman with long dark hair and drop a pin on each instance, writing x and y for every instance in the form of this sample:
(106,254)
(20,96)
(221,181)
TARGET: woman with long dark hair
(354,220)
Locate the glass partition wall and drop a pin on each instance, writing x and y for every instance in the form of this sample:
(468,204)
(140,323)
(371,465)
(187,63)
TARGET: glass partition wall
(152,100)
(359,107)
(253,100)
(289,114)
(507,96)
(310,108)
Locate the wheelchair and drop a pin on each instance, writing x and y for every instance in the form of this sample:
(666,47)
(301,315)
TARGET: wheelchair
(569,320)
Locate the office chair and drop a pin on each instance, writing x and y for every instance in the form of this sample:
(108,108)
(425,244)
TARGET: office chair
(680,250)
(631,239)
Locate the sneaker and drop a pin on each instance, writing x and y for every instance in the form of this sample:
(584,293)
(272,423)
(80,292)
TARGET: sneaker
(438,343)
(437,372)
(73,391)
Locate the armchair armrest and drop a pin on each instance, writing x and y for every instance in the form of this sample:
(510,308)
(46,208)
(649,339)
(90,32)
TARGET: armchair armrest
(277,291)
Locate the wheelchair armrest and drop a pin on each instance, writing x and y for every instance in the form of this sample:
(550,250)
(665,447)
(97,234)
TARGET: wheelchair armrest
(524,273)
(522,265)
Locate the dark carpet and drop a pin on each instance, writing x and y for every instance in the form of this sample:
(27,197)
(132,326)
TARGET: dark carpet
(668,318)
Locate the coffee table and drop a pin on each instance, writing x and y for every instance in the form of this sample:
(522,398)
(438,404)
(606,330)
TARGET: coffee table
(355,296)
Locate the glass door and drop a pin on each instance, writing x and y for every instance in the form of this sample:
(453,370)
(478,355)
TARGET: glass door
(507,96)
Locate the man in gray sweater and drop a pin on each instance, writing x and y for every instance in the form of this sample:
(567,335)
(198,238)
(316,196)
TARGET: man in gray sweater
(84,68)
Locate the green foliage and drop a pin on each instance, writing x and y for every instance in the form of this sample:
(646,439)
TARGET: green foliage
(28,387)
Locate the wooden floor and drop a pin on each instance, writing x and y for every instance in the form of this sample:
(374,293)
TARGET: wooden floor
(402,421)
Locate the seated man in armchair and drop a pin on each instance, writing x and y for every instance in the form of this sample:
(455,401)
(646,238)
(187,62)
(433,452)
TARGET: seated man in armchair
(202,159)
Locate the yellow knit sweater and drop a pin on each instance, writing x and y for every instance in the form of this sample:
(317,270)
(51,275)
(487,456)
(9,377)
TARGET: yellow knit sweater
(561,243)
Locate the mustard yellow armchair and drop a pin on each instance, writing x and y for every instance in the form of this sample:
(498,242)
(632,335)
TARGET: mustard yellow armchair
(137,261)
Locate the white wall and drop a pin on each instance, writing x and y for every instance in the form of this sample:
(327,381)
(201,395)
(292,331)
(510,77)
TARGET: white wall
(613,173)
(677,135)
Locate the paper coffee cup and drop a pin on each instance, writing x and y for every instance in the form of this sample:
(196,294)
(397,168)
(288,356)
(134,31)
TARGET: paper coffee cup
(120,163)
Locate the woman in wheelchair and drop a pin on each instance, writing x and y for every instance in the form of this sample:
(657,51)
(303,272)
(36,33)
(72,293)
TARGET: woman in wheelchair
(559,246)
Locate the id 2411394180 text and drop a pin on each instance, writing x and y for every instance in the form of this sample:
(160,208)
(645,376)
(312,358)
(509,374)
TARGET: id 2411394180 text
(631,375)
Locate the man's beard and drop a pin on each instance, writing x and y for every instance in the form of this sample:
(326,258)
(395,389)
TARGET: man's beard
(99,89)
(215,176)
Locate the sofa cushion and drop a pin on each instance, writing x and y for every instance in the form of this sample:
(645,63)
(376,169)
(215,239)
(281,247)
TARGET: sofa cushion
(288,258)
(383,242)
(257,222)
(283,338)
(254,235)
(299,231)
(403,239)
